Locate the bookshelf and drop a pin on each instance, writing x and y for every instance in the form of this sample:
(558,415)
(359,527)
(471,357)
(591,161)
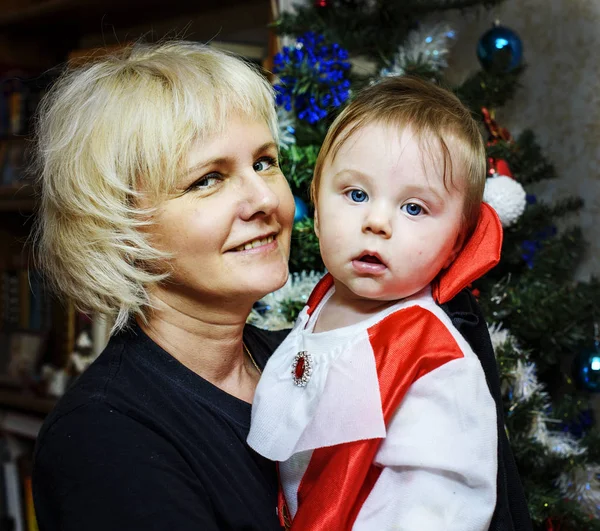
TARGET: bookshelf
(19,198)
(26,403)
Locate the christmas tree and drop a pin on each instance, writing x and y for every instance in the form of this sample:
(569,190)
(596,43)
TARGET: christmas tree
(542,322)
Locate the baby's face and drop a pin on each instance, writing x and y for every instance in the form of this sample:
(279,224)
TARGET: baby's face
(387,224)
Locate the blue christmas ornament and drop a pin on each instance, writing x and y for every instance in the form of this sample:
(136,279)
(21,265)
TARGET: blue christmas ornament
(500,49)
(586,368)
(301,209)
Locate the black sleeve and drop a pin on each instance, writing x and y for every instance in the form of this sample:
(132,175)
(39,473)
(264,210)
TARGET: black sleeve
(511,513)
(97,470)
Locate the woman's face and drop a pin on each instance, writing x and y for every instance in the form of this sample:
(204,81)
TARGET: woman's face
(229,226)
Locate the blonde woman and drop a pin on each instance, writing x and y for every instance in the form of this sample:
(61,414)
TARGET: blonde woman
(162,205)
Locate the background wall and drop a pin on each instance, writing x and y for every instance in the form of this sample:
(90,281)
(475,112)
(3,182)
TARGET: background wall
(560,96)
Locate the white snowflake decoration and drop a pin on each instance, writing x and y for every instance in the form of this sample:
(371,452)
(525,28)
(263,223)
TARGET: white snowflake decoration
(507,197)
(426,45)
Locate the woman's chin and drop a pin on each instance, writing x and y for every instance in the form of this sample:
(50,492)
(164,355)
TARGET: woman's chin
(267,282)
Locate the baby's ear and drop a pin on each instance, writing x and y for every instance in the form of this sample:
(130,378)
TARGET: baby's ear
(460,241)
(316,218)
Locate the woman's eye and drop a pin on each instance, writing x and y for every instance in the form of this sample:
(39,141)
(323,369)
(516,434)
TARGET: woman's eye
(358,196)
(264,164)
(207,181)
(412,209)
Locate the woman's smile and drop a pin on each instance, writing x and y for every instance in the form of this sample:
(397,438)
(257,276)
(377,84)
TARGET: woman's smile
(259,243)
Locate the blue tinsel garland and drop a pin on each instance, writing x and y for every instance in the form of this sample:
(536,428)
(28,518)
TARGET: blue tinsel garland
(313,77)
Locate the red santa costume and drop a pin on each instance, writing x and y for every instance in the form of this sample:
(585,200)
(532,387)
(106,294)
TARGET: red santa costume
(387,423)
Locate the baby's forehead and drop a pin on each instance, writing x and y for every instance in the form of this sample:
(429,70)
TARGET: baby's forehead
(440,154)
(428,142)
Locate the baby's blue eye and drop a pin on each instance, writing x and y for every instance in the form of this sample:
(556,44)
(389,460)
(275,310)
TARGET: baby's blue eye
(358,196)
(413,209)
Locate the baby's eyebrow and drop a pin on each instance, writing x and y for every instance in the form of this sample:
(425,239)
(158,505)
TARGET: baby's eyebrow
(352,173)
(426,192)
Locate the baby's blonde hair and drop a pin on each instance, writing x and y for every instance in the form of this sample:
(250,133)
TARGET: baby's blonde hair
(111,130)
(433,114)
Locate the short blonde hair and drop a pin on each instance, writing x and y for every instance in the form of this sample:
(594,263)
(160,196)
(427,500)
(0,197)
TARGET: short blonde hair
(111,127)
(431,112)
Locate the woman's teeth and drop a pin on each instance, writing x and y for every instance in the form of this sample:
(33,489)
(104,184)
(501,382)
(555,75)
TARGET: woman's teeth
(254,243)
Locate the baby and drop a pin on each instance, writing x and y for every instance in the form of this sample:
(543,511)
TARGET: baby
(375,406)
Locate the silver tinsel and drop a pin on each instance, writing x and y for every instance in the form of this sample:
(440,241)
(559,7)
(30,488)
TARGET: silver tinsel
(500,336)
(525,382)
(427,45)
(298,288)
(287,129)
(583,485)
(520,385)
(556,442)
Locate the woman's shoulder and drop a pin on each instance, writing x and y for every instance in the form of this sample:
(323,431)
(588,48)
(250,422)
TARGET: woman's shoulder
(113,382)
(85,400)
(81,428)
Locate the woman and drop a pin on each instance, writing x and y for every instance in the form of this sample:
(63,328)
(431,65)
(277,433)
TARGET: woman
(162,204)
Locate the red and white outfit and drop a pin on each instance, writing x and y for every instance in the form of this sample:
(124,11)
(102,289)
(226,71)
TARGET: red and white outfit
(396,428)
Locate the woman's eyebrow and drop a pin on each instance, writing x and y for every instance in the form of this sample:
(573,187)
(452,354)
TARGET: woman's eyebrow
(222,160)
(265,147)
(203,164)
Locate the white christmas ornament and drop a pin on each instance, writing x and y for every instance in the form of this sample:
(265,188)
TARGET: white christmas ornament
(506,196)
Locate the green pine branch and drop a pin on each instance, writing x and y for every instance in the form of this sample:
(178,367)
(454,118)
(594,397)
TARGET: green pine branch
(489,89)
(297,164)
(528,162)
(304,254)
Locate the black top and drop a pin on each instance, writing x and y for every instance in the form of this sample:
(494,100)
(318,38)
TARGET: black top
(140,442)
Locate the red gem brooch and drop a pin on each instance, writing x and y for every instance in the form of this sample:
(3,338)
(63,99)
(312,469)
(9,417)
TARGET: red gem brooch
(302,368)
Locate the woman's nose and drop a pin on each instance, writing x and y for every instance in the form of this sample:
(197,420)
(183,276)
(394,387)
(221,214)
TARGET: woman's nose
(259,197)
